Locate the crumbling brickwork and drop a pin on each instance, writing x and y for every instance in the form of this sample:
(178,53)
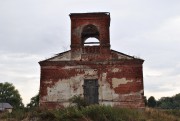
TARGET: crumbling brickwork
(97,73)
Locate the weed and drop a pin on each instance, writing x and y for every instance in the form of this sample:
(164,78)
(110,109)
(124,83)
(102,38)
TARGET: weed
(78,101)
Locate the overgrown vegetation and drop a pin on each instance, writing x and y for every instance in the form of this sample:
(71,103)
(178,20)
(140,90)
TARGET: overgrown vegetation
(78,101)
(165,109)
(34,102)
(92,113)
(16,115)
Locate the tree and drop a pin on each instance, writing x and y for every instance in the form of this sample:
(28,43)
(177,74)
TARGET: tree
(145,100)
(169,102)
(165,103)
(177,97)
(151,102)
(34,102)
(9,94)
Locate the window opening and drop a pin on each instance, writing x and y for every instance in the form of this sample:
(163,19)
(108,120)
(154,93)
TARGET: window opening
(91,42)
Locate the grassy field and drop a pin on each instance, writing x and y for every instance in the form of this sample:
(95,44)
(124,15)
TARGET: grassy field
(92,113)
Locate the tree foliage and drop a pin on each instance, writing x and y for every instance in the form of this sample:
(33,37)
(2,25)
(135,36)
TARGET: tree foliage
(8,94)
(169,102)
(151,102)
(34,102)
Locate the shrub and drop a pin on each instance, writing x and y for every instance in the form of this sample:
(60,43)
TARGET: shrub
(108,113)
(78,101)
(47,116)
(69,113)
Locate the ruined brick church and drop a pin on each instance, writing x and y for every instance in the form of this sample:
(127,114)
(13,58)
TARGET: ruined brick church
(91,70)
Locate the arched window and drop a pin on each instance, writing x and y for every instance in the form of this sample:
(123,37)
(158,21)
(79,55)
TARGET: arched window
(90,35)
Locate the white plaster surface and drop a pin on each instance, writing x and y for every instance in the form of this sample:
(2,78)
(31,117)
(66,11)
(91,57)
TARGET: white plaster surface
(116,70)
(116,81)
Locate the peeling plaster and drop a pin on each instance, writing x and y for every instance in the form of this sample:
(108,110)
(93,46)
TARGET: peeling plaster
(116,70)
(116,81)
(106,93)
(90,74)
(48,81)
(65,89)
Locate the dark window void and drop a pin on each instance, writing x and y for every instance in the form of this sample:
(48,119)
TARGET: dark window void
(89,31)
(91,91)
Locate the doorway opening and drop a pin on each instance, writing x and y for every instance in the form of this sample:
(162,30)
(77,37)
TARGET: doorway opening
(91,94)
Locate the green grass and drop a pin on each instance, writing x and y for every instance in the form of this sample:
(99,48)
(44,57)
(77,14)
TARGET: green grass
(93,113)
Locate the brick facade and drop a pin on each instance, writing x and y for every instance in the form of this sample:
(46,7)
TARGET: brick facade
(119,76)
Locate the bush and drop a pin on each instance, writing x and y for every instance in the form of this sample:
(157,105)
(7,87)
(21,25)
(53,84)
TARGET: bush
(78,101)
(69,113)
(47,116)
(108,113)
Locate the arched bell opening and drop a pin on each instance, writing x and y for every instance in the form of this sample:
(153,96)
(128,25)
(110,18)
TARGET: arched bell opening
(90,36)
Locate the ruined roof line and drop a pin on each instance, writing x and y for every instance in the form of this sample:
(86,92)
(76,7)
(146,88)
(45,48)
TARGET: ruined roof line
(75,62)
(55,56)
(127,55)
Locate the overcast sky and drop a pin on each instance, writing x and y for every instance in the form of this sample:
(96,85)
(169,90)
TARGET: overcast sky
(33,30)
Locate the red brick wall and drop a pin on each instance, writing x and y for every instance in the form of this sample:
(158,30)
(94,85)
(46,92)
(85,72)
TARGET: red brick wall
(101,21)
(130,93)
